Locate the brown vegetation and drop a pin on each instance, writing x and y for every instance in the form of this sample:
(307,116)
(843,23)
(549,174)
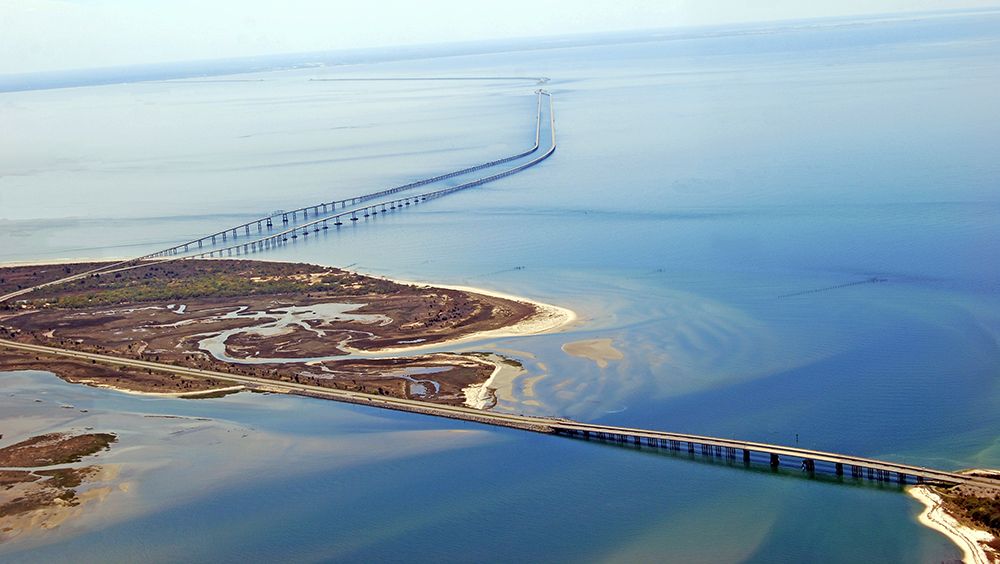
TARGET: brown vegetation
(979,508)
(132,314)
(54,448)
(31,489)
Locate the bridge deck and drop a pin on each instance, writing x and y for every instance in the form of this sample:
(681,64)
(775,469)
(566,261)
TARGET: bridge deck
(564,427)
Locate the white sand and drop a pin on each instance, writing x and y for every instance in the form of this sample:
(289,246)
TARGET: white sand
(499,385)
(195,393)
(59,261)
(970,541)
(548,319)
(601,351)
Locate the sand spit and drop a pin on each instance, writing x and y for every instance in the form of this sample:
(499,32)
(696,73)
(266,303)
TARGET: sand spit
(192,394)
(972,542)
(601,351)
(547,319)
(485,395)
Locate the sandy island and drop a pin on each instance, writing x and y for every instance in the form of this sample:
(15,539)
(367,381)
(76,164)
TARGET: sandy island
(601,351)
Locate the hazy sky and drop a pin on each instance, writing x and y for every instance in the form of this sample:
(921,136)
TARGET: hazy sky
(38,35)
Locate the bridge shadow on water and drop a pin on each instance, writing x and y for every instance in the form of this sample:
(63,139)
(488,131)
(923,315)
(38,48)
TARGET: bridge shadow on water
(758,464)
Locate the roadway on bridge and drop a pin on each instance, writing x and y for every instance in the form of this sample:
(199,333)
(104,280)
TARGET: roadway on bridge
(525,422)
(537,424)
(259,243)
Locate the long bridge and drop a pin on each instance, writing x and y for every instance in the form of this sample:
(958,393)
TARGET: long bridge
(325,214)
(750,453)
(322,208)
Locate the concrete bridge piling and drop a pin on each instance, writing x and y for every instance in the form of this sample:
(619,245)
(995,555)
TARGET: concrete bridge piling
(810,463)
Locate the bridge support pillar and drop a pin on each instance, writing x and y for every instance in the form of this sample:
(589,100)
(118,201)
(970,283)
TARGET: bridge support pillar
(746,456)
(900,477)
(586,435)
(774,461)
(840,469)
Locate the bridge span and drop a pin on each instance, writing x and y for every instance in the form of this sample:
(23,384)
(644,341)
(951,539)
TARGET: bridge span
(811,462)
(750,453)
(324,214)
(261,224)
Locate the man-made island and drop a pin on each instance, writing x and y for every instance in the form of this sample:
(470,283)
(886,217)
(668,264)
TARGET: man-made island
(287,322)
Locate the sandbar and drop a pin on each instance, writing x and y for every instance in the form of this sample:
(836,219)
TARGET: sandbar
(601,351)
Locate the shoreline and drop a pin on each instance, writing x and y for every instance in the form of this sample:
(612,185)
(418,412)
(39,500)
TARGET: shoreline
(548,318)
(935,517)
(533,318)
(192,394)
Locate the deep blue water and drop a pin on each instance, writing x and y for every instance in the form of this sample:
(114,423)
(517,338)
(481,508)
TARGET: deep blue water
(710,201)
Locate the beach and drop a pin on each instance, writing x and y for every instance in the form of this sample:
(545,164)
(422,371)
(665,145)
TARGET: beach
(970,541)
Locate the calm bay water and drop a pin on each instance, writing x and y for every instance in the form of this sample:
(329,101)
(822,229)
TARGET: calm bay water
(710,198)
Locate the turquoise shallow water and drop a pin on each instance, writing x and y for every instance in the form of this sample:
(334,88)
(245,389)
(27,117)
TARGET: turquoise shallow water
(709,200)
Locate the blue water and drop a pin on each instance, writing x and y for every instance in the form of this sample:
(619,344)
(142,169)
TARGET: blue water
(711,197)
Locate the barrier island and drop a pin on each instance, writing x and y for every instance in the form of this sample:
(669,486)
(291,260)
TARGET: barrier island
(287,322)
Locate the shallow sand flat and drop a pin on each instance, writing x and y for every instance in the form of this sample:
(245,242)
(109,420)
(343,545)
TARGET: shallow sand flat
(970,541)
(499,385)
(601,351)
(93,492)
(166,458)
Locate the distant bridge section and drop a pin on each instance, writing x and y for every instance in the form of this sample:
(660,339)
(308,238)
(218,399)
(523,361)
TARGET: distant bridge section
(286,217)
(324,211)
